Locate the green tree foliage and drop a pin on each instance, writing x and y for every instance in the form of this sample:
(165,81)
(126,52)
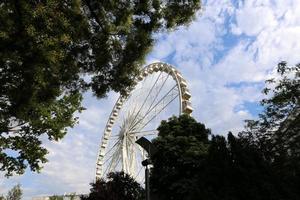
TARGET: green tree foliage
(191,164)
(279,123)
(56,197)
(48,47)
(117,186)
(277,131)
(234,169)
(182,146)
(15,193)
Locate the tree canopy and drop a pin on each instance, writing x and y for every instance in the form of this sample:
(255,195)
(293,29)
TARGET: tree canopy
(118,186)
(193,164)
(182,144)
(13,194)
(52,51)
(276,132)
(279,123)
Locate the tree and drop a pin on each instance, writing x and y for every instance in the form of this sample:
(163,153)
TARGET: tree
(192,164)
(118,186)
(15,193)
(235,169)
(182,145)
(277,131)
(56,197)
(279,122)
(53,51)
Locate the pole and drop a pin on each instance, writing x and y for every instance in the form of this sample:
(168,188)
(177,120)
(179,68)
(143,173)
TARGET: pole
(151,150)
(147,183)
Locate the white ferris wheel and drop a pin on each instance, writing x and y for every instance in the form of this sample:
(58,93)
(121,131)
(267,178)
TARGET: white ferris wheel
(160,91)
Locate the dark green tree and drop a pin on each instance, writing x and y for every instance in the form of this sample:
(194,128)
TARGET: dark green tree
(15,193)
(277,131)
(192,164)
(52,51)
(182,145)
(117,186)
(56,197)
(235,169)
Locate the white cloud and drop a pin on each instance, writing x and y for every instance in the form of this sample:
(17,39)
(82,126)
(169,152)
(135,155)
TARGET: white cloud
(90,118)
(251,20)
(199,40)
(281,44)
(238,66)
(275,26)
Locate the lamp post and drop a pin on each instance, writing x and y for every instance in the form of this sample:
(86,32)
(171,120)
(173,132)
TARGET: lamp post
(151,150)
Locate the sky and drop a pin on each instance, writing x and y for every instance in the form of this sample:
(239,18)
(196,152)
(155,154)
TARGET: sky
(225,55)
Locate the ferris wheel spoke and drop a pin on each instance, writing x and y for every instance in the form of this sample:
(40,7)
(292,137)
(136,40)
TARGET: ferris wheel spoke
(143,180)
(157,104)
(115,159)
(142,153)
(159,90)
(158,112)
(112,155)
(133,156)
(114,137)
(156,95)
(136,176)
(108,159)
(151,89)
(115,145)
(145,131)
(146,134)
(159,101)
(153,82)
(128,153)
(145,100)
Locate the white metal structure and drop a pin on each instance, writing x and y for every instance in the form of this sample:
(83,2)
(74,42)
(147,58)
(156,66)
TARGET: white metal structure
(160,91)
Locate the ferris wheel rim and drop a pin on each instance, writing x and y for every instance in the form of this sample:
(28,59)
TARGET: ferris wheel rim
(184,105)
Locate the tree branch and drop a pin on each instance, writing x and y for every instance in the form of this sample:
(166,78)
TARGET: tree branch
(94,15)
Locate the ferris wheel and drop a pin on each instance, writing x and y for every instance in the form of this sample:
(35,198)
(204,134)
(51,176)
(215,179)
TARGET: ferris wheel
(160,91)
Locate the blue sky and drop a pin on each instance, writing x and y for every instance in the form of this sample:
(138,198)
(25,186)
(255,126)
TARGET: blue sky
(225,55)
